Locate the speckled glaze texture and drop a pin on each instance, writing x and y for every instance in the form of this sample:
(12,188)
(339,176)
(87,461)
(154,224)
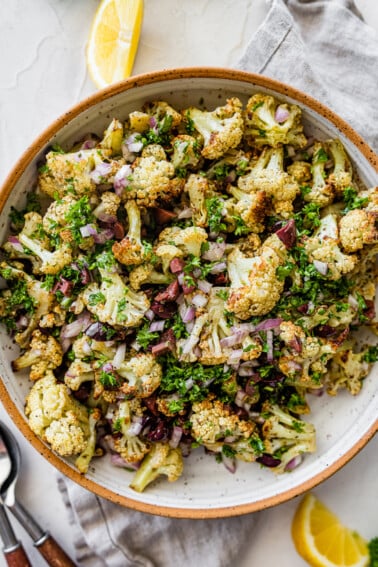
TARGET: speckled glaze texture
(352,421)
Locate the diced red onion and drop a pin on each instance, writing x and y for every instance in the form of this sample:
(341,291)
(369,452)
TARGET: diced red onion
(268,324)
(234,339)
(117,461)
(215,252)
(176,436)
(157,326)
(321,267)
(103,236)
(149,314)
(100,172)
(204,285)
(134,429)
(229,463)
(353,301)
(240,398)
(135,345)
(235,356)
(121,180)
(88,144)
(189,383)
(294,463)
(247,327)
(199,300)
(71,330)
(107,367)
(187,313)
(218,268)
(281,114)
(185,213)
(88,230)
(16,244)
(119,355)
(152,121)
(189,326)
(269,344)
(135,147)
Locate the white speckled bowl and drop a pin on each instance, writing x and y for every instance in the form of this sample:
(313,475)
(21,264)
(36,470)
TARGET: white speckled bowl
(206,490)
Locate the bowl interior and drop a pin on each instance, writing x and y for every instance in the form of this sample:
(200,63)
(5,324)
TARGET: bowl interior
(206,489)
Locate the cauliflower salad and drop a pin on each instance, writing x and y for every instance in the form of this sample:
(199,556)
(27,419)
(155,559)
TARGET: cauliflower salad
(186,282)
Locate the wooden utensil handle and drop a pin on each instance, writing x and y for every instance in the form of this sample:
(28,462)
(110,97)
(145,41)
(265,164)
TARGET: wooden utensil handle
(53,553)
(16,557)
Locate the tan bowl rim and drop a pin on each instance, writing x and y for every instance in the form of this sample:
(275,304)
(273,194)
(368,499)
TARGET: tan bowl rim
(5,190)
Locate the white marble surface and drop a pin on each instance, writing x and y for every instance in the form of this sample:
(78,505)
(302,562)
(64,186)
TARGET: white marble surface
(43,72)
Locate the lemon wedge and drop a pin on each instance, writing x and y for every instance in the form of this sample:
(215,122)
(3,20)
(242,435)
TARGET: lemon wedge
(113,40)
(322,540)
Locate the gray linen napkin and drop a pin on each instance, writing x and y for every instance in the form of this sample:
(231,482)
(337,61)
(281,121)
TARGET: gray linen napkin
(325,49)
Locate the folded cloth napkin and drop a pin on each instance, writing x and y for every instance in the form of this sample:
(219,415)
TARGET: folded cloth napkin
(325,49)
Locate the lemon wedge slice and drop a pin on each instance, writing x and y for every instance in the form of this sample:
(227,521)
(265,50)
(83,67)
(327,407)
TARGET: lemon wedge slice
(322,540)
(113,40)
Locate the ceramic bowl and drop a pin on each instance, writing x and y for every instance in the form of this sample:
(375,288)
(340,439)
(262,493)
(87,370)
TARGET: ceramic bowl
(344,423)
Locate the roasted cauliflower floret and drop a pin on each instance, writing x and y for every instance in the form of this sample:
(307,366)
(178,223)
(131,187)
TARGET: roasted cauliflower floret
(77,373)
(15,248)
(189,240)
(25,293)
(56,417)
(44,353)
(156,115)
(147,274)
(221,129)
(70,172)
(142,374)
(161,460)
(322,192)
(215,330)
(186,152)
(212,420)
(112,138)
(199,190)
(267,174)
(51,262)
(251,207)
(130,250)
(269,122)
(357,229)
(286,437)
(255,287)
(324,247)
(55,217)
(128,443)
(83,460)
(304,360)
(300,171)
(347,370)
(152,180)
(341,176)
(106,210)
(113,302)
